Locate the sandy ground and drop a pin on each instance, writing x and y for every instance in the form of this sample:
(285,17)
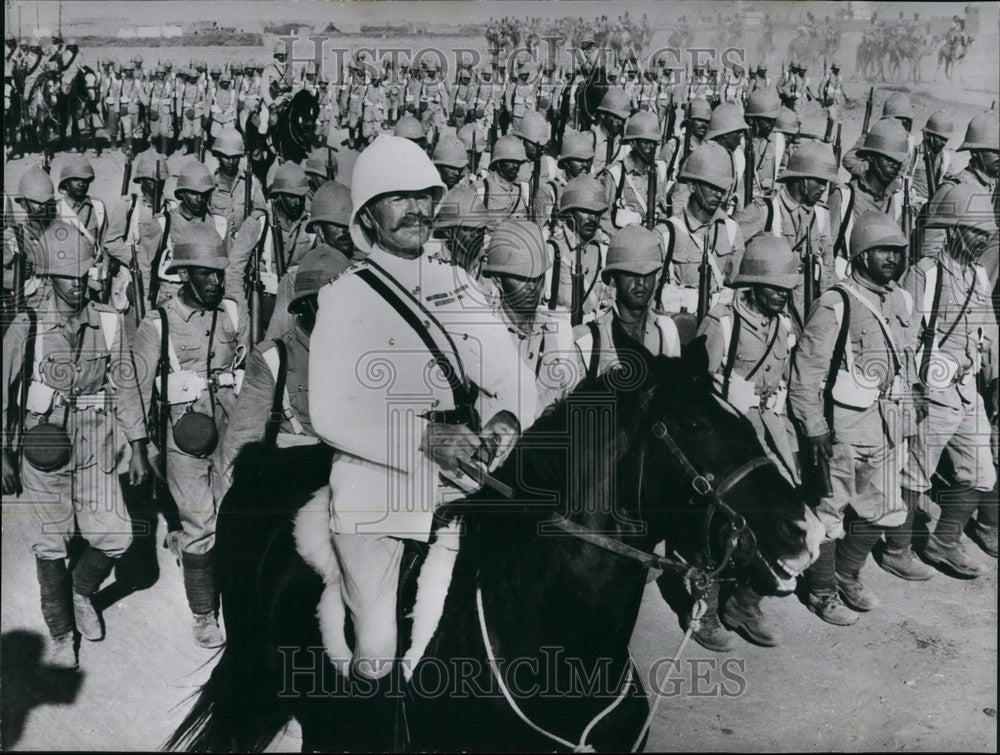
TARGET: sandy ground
(918,675)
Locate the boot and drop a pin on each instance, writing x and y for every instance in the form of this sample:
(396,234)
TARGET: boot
(827,605)
(199,586)
(897,557)
(944,546)
(710,633)
(91,570)
(61,653)
(206,631)
(855,594)
(56,597)
(742,612)
(984,531)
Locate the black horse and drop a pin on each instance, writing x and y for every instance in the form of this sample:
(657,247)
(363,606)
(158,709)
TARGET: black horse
(553,577)
(290,136)
(83,110)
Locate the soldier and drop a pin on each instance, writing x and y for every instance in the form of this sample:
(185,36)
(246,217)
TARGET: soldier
(36,195)
(700,86)
(380,499)
(432,103)
(460,228)
(501,192)
(460,94)
(785,135)
(761,81)
(327,111)
(132,97)
(735,85)
(408,127)
(363,103)
(157,237)
(88,215)
(282,360)
(896,108)
(982,142)
(248,95)
(272,240)
(698,114)
(959,327)
(750,342)
(190,109)
(229,196)
(575,159)
(77,431)
(726,127)
(451,160)
(521,96)
(794,87)
(223,106)
(937,131)
(883,151)
(517,261)
(848,394)
(320,166)
(626,181)
(612,112)
(113,90)
(205,337)
(700,224)
(577,240)
(761,112)
(831,95)
(666,92)
(275,83)
(796,214)
(160,110)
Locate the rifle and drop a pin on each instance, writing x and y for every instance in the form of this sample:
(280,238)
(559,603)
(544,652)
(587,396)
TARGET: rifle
(157,188)
(838,146)
(907,220)
(669,121)
(608,149)
(248,191)
(651,177)
(253,291)
(536,173)
(929,171)
(127,176)
(279,244)
(749,174)
(868,110)
(687,130)
(704,280)
(474,154)
(810,290)
(576,297)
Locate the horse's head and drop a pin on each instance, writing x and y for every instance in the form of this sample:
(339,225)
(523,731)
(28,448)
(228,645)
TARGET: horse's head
(707,480)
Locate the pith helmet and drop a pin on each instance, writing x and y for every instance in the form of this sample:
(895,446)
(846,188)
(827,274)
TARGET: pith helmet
(768,261)
(533,128)
(940,124)
(194,177)
(699,110)
(886,138)
(763,103)
(577,145)
(450,152)
(229,142)
(642,125)
(289,178)
(199,246)
(958,205)
(709,163)
(461,207)
(616,101)
(584,193)
(811,160)
(634,249)
(65,252)
(875,229)
(726,118)
(36,185)
(508,147)
(145,165)
(76,166)
(787,121)
(280,48)
(390,164)
(317,267)
(983,132)
(330,204)
(319,162)
(898,105)
(517,248)
(409,127)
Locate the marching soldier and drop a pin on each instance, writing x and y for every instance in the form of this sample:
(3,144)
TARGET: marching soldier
(88,215)
(328,114)
(362,103)
(848,392)
(501,191)
(520,97)
(460,94)
(389,296)
(577,239)
(460,228)
(23,289)
(273,240)
(575,159)
(761,81)
(612,112)
(896,108)
(761,112)
(223,106)
(131,98)
(451,160)
(701,224)
(735,85)
(229,196)
(699,113)
(831,95)
(750,342)
(204,336)
(248,95)
(160,111)
(433,103)
(320,166)
(158,237)
(700,86)
(626,181)
(936,132)
(794,86)
(517,261)
(796,214)
(78,429)
(190,110)
(959,328)
(883,151)
(408,127)
(726,127)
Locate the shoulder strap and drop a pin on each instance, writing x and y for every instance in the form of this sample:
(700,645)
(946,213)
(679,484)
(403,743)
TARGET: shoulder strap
(839,348)
(769,222)
(669,232)
(731,327)
(154,268)
(277,360)
(595,352)
(846,212)
(555,272)
(233,312)
(109,327)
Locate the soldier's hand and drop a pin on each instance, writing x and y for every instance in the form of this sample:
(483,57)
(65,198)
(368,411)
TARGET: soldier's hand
(11,482)
(821,446)
(138,466)
(446,445)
